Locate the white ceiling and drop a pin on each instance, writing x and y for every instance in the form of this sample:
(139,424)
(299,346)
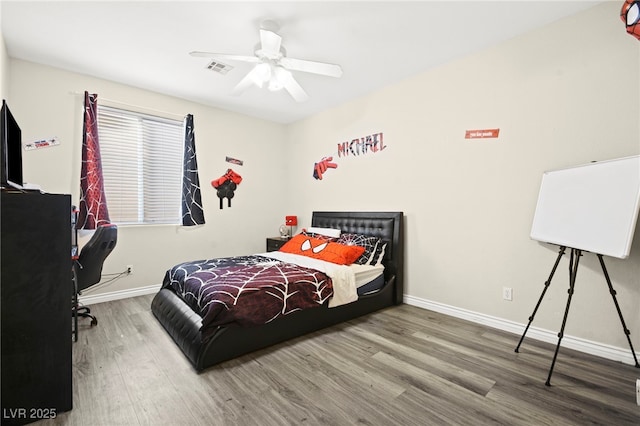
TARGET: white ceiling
(146,44)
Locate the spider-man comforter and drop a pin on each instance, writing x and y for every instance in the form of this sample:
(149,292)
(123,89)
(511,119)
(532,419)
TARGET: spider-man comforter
(247,290)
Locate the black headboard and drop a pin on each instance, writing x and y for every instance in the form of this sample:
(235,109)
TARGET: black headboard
(386,225)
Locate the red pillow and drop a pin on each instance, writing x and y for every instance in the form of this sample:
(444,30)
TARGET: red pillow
(323,250)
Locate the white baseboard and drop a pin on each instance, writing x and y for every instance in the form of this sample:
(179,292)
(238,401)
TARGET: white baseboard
(623,355)
(91,299)
(593,348)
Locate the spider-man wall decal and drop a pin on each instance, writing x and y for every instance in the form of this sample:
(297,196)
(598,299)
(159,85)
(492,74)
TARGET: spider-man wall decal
(321,166)
(370,144)
(630,15)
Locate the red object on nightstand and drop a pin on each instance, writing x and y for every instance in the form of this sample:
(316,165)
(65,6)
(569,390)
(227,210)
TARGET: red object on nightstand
(291,220)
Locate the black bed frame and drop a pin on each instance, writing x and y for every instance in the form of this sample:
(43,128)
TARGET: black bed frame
(231,341)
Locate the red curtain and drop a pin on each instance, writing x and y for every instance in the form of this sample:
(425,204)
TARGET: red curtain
(93,203)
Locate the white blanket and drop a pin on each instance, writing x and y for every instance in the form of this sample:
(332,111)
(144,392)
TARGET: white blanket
(343,277)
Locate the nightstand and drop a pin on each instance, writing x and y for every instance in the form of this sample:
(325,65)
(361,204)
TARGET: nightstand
(274,243)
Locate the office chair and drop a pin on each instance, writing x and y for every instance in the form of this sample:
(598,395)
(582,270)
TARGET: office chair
(87,269)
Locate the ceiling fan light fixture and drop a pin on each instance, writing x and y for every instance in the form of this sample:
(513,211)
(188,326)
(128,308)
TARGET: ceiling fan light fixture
(275,85)
(278,78)
(262,74)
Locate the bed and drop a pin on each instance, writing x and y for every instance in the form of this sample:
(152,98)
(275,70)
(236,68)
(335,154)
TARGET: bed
(229,341)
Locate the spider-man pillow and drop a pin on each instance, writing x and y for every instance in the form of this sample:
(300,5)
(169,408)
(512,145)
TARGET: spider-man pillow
(373,247)
(323,250)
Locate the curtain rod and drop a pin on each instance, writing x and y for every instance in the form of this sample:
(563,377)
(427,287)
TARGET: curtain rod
(134,106)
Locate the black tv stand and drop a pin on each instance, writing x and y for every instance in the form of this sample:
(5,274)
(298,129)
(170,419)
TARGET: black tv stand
(35,294)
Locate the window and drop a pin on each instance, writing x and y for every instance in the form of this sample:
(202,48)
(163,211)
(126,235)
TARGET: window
(141,166)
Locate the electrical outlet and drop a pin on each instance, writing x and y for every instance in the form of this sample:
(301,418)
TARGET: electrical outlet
(507,293)
(129,269)
(638,391)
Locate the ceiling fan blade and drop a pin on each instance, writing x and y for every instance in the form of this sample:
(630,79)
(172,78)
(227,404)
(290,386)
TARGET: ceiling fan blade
(241,58)
(331,70)
(291,85)
(246,82)
(270,43)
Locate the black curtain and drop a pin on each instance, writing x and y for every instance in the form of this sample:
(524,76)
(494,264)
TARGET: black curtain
(192,212)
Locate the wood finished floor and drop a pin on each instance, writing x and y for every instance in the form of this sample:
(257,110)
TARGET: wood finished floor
(400,366)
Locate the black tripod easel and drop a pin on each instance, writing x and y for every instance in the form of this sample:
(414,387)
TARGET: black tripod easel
(574,260)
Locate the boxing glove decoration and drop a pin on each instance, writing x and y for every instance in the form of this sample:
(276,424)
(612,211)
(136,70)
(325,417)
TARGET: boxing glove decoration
(226,186)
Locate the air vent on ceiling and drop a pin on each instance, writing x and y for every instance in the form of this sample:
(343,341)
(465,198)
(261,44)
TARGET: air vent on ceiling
(219,67)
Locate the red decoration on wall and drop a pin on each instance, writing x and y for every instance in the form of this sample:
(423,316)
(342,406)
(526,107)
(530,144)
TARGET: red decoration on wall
(321,167)
(370,144)
(358,146)
(481,133)
(630,15)
(226,186)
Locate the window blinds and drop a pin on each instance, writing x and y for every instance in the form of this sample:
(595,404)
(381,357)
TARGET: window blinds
(142,166)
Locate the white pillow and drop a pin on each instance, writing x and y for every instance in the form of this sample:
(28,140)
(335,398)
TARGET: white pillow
(329,232)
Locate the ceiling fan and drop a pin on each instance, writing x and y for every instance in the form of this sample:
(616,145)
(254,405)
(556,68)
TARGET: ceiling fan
(273,67)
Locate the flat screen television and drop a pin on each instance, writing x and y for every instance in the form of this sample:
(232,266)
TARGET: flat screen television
(11,149)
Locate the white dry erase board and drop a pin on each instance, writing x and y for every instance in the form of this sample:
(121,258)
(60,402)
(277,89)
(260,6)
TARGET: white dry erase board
(592,207)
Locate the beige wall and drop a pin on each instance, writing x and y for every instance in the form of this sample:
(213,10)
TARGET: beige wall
(4,63)
(561,96)
(46,103)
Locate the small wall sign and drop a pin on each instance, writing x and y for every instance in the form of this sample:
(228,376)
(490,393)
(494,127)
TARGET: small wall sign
(234,161)
(482,133)
(43,143)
